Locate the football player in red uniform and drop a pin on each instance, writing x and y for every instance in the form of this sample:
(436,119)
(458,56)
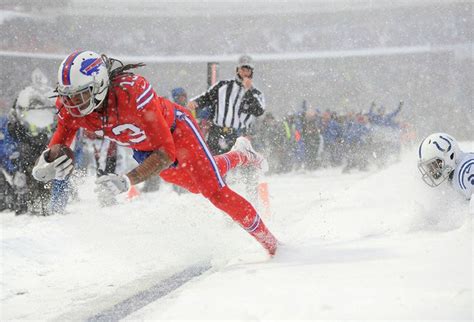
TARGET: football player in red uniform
(99,96)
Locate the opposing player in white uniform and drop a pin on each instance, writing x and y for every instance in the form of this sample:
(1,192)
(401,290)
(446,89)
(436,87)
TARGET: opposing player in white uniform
(440,158)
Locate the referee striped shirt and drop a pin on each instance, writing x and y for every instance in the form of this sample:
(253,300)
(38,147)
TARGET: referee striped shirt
(231,105)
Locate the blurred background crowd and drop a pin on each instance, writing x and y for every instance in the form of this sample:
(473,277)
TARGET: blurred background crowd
(338,55)
(310,139)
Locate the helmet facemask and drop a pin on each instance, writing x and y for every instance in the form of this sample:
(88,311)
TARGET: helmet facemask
(438,155)
(434,171)
(80,101)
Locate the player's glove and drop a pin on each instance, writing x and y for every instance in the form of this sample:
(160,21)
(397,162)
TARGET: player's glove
(110,185)
(59,169)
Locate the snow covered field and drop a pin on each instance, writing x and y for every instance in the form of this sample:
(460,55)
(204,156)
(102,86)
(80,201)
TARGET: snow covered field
(380,245)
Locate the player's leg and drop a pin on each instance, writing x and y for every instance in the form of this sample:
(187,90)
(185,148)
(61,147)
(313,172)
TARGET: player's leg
(242,153)
(228,161)
(180,177)
(201,166)
(241,211)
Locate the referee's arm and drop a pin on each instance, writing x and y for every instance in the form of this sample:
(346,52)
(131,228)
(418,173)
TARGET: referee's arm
(254,102)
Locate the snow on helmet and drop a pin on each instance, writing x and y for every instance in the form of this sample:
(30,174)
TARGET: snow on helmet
(245,61)
(83,80)
(438,155)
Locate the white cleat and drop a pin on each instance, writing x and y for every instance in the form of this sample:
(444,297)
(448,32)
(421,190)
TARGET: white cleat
(254,158)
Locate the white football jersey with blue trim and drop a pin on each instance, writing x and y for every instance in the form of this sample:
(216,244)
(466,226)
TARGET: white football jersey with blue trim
(463,178)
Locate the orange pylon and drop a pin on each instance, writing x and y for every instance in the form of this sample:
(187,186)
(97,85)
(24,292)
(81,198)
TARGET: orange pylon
(264,197)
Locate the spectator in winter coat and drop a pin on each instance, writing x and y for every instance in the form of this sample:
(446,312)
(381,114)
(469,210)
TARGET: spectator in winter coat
(312,140)
(332,135)
(382,119)
(8,154)
(355,138)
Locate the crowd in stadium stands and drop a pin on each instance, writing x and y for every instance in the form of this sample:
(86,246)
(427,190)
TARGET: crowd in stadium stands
(310,139)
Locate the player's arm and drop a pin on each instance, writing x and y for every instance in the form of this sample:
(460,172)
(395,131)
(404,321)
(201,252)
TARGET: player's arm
(157,161)
(396,112)
(151,119)
(158,132)
(62,135)
(112,184)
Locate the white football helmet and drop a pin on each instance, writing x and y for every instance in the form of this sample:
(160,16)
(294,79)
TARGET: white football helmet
(438,155)
(83,81)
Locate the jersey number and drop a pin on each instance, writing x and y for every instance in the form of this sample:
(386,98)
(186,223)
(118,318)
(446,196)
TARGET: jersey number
(135,134)
(134,78)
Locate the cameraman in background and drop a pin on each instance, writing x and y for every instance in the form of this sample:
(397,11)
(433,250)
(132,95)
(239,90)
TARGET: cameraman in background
(30,125)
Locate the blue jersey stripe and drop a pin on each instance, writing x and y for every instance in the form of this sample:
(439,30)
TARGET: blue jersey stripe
(254,225)
(227,162)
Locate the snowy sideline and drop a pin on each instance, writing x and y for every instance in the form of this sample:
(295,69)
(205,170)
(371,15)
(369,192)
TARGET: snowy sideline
(377,245)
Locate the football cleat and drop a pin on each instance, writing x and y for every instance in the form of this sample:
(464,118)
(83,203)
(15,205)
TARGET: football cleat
(252,157)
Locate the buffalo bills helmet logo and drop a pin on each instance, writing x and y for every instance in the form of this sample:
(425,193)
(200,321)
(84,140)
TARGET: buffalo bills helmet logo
(91,66)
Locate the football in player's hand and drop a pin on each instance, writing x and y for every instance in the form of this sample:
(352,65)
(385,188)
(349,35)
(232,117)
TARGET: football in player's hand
(58,150)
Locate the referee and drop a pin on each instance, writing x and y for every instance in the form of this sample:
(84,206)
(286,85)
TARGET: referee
(233,106)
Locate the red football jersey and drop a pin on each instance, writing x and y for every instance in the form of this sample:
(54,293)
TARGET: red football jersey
(135,116)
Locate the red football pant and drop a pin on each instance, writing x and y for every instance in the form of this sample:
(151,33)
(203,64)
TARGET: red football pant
(199,172)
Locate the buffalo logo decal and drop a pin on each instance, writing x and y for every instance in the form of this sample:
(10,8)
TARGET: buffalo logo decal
(91,66)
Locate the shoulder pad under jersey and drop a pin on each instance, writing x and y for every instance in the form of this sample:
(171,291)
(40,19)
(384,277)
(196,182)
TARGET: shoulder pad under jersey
(139,89)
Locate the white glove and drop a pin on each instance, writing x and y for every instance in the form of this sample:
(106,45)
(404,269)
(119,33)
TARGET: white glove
(110,185)
(59,169)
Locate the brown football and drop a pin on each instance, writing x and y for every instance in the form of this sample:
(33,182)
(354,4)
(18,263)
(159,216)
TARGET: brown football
(58,150)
